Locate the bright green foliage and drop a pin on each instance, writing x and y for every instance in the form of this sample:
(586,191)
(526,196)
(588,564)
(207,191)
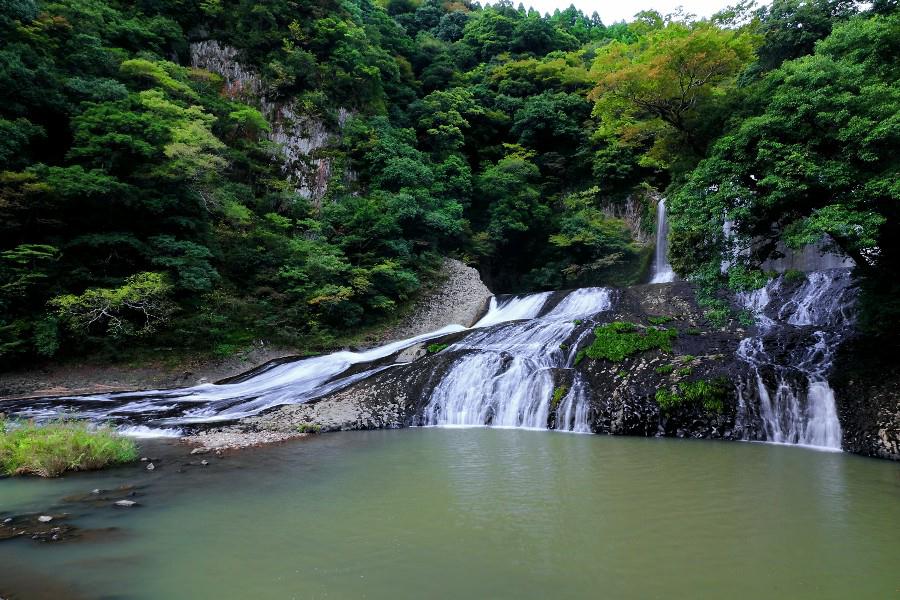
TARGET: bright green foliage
(657,92)
(664,369)
(617,340)
(435,348)
(711,395)
(138,307)
(50,449)
(559,393)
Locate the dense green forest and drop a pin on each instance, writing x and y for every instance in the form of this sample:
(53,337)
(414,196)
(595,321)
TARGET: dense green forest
(143,205)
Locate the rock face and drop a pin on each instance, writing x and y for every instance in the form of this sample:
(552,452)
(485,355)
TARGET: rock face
(867,389)
(305,140)
(623,394)
(457,296)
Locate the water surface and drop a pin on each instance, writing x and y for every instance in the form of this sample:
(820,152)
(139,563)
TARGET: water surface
(477,513)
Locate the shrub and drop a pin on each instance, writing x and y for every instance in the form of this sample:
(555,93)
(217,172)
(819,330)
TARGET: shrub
(711,394)
(435,348)
(660,320)
(619,339)
(50,449)
(309,428)
(665,369)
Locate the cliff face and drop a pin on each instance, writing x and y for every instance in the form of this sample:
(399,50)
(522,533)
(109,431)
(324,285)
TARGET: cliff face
(304,140)
(867,385)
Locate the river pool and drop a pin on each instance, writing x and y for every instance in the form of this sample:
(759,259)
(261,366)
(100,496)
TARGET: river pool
(471,513)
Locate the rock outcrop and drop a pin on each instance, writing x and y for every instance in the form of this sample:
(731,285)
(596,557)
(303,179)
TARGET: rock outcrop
(457,295)
(303,139)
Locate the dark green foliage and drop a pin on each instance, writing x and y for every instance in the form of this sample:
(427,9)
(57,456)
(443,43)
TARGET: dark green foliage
(617,340)
(664,369)
(660,320)
(131,182)
(710,394)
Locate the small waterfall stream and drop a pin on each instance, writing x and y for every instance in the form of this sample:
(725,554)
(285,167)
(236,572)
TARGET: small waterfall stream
(662,271)
(793,401)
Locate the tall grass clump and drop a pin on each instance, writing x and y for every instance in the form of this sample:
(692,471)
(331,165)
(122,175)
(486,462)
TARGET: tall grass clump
(48,450)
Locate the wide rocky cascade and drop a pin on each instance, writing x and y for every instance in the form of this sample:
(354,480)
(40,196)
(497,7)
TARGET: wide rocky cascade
(522,365)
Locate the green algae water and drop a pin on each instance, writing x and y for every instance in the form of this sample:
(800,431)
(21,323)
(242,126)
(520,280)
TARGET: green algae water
(472,513)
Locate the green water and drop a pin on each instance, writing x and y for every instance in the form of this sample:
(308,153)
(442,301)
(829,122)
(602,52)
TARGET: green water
(477,513)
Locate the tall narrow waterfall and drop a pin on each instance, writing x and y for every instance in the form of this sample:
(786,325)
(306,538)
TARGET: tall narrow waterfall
(662,271)
(788,392)
(506,377)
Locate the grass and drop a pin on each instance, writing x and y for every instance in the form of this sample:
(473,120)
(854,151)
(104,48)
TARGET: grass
(711,394)
(619,339)
(309,428)
(435,348)
(51,449)
(665,369)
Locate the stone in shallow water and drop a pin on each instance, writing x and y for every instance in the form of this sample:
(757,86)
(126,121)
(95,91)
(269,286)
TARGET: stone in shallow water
(126,503)
(150,467)
(45,518)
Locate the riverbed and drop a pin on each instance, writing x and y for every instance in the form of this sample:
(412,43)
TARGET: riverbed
(470,513)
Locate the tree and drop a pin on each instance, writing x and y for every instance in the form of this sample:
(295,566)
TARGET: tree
(666,82)
(817,164)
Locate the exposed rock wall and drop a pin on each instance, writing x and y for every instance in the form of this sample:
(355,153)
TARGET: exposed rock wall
(304,140)
(866,381)
(457,296)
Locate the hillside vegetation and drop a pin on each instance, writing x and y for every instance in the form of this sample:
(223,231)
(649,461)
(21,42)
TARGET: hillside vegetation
(143,206)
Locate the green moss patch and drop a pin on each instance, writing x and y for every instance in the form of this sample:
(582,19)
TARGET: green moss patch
(558,394)
(711,394)
(435,348)
(51,449)
(617,340)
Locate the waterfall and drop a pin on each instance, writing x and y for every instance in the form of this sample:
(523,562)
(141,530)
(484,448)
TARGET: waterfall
(662,271)
(505,377)
(794,403)
(513,347)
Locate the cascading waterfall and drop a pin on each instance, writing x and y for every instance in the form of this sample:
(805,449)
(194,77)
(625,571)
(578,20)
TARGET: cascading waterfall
(505,377)
(509,340)
(662,271)
(794,402)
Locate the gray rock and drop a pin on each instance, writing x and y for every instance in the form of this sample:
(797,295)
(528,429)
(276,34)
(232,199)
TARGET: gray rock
(45,518)
(201,450)
(150,467)
(125,503)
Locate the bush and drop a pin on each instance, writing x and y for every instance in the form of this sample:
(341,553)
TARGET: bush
(309,428)
(619,339)
(435,348)
(50,449)
(710,394)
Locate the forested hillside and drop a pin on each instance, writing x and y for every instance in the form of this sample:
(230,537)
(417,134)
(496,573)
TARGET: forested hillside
(143,203)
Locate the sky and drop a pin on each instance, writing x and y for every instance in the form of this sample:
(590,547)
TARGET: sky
(611,11)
